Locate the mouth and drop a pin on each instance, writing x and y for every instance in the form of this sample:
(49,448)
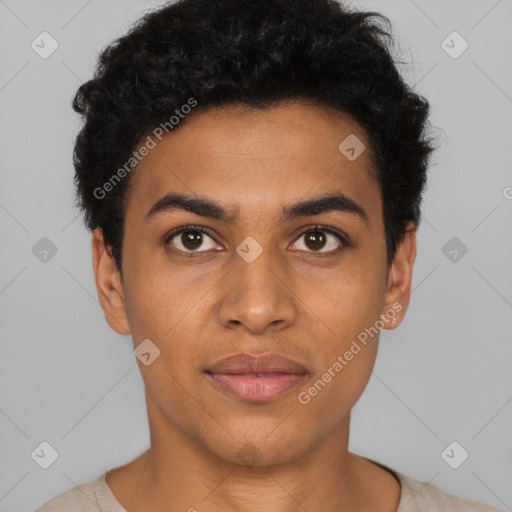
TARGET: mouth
(256,379)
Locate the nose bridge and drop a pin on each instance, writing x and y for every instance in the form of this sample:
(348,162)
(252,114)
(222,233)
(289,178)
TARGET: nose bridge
(255,294)
(259,265)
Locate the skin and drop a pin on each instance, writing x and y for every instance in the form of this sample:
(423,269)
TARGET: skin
(208,450)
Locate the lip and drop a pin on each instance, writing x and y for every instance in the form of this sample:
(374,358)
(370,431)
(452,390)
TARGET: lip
(256,378)
(245,363)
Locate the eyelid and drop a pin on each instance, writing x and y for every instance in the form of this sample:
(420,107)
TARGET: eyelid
(189,227)
(328,229)
(344,239)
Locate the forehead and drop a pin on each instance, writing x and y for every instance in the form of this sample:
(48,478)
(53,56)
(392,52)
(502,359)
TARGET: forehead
(252,161)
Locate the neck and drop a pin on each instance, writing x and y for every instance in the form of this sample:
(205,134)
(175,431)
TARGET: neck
(179,473)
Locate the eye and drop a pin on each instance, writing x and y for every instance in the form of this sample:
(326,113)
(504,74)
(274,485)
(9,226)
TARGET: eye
(190,238)
(320,237)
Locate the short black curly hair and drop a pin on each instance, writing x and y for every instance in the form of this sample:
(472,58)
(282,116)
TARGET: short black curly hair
(257,54)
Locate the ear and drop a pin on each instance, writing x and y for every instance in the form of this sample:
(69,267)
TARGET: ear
(399,280)
(108,284)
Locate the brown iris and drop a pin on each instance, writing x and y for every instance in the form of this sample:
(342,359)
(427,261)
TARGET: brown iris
(192,239)
(315,240)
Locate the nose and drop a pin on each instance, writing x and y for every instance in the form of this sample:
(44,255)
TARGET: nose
(257,296)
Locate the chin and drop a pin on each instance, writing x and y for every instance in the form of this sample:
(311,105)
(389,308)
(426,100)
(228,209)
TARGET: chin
(259,452)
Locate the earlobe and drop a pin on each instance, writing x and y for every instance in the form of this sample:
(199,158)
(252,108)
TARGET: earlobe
(108,284)
(399,279)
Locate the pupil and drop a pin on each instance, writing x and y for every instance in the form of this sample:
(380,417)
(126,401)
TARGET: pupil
(192,239)
(317,239)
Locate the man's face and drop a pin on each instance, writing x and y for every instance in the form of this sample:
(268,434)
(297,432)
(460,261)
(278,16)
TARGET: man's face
(255,284)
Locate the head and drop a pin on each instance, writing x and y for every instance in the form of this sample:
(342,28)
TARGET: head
(253,122)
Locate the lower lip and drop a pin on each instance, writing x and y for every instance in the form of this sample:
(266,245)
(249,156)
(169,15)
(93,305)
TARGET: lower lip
(251,388)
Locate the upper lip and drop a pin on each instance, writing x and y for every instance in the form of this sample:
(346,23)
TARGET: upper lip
(251,364)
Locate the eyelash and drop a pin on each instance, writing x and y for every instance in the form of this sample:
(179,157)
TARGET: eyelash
(317,227)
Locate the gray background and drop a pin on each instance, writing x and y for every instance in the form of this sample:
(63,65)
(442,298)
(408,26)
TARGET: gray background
(442,376)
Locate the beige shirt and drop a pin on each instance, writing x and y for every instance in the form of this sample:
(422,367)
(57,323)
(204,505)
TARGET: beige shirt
(416,496)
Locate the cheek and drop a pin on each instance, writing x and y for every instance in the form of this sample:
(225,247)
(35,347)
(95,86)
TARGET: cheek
(346,360)
(154,297)
(349,310)
(164,309)
(348,298)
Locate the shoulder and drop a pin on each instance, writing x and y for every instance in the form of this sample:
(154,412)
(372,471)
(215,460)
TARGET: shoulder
(420,496)
(87,497)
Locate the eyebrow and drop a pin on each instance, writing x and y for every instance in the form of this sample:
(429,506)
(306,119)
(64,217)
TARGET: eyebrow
(205,207)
